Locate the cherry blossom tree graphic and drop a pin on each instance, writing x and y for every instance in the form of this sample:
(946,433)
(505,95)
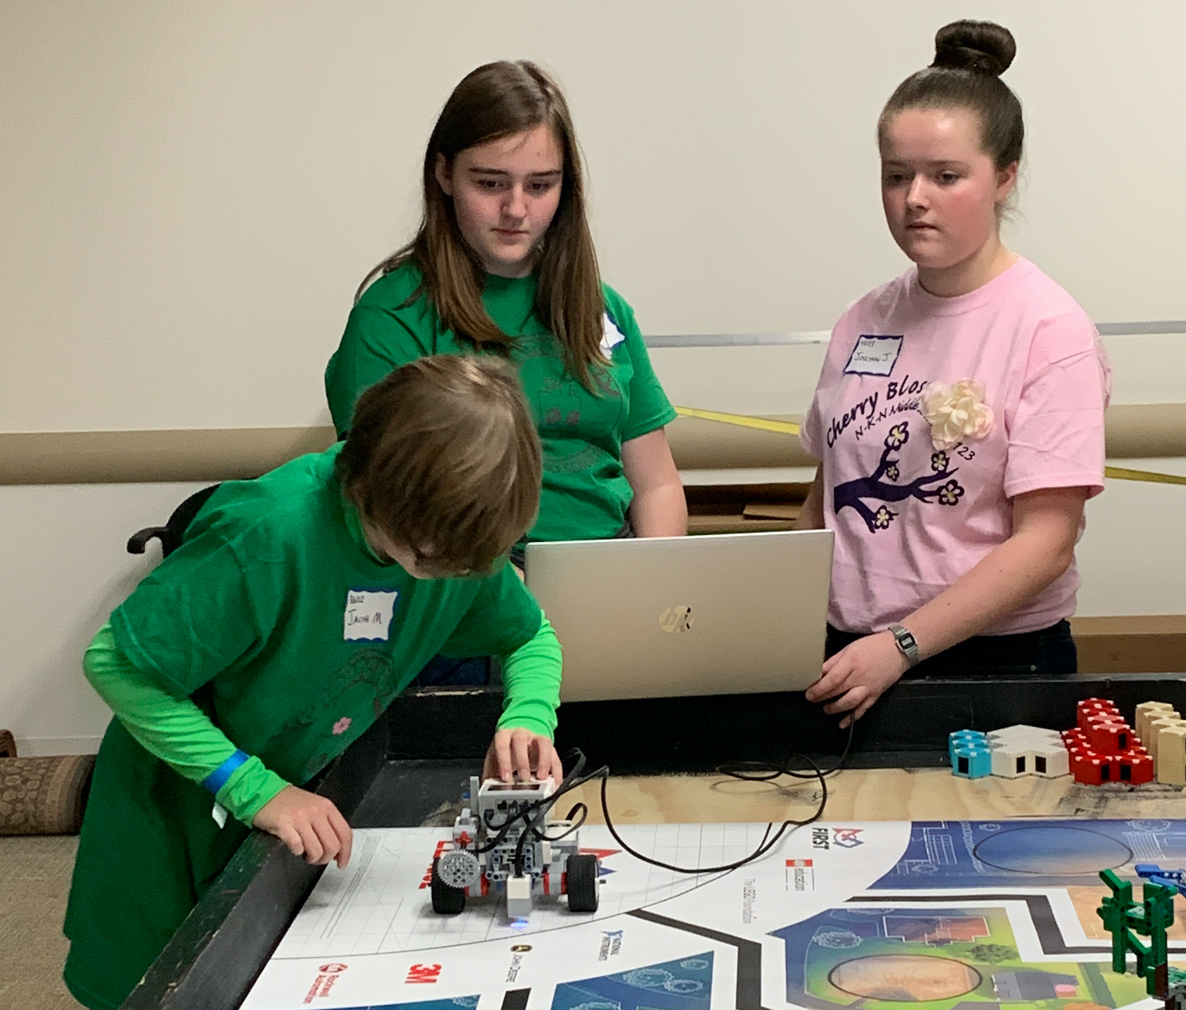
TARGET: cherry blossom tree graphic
(882,485)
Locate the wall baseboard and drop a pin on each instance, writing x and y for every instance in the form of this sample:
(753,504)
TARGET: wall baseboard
(1134,431)
(53,746)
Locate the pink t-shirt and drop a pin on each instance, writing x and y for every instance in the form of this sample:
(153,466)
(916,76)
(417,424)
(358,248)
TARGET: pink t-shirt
(910,519)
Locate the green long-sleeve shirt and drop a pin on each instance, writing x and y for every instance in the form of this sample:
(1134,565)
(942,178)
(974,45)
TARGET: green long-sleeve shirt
(182,735)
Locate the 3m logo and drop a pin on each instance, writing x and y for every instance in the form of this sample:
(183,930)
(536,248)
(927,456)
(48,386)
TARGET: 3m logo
(422,974)
(798,862)
(846,838)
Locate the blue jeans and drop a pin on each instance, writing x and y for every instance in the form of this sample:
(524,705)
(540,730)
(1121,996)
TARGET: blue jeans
(444,671)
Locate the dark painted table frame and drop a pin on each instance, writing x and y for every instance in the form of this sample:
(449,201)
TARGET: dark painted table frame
(437,738)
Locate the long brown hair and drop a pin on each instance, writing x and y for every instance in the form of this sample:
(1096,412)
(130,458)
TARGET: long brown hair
(498,100)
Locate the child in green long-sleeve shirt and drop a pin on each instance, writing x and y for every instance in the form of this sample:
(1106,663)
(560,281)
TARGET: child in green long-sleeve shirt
(298,606)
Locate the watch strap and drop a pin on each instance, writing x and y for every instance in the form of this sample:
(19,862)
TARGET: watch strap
(907,644)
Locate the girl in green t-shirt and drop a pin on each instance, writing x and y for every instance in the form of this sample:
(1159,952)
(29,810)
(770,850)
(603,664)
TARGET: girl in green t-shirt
(503,263)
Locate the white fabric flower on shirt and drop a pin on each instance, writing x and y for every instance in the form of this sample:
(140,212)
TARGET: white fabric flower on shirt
(956,413)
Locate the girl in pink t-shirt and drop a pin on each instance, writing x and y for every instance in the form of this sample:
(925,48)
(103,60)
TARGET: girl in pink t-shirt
(959,412)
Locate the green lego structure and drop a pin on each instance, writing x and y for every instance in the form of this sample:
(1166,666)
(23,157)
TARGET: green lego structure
(1126,919)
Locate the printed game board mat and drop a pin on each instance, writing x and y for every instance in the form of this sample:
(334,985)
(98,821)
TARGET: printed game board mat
(939,915)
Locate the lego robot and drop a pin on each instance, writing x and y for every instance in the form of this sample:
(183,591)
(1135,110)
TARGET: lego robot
(504,842)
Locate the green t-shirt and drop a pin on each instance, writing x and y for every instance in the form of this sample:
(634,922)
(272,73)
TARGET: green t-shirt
(289,632)
(585,493)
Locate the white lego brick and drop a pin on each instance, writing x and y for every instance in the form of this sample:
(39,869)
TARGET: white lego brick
(1051,761)
(1011,762)
(1022,734)
(519,896)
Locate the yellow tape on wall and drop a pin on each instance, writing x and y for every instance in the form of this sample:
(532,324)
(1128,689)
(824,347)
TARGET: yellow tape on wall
(790,428)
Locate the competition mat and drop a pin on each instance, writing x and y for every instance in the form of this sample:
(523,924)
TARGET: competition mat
(954,915)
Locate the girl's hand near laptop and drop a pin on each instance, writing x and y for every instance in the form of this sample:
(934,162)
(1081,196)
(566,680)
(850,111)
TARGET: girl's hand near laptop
(858,675)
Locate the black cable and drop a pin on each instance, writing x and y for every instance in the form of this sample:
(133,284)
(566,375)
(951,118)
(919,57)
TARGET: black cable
(765,773)
(534,814)
(762,771)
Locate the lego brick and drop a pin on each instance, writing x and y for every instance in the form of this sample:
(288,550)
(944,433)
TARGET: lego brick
(1011,762)
(1051,761)
(1111,737)
(1137,769)
(518,896)
(1096,705)
(1154,726)
(1164,876)
(1145,710)
(1169,755)
(965,739)
(971,762)
(1021,733)
(1089,769)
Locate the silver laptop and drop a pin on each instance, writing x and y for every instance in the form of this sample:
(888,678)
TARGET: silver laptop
(731,613)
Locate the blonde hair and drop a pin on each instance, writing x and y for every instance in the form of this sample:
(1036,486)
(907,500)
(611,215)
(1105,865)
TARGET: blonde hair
(443,457)
(499,100)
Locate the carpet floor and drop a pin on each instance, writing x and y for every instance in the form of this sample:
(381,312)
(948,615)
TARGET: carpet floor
(34,881)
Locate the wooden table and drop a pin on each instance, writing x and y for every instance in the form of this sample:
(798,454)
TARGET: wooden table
(872,794)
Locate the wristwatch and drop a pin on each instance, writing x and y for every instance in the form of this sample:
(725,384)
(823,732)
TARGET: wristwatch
(906,643)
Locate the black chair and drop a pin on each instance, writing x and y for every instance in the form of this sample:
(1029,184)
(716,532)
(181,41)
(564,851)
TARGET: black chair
(171,533)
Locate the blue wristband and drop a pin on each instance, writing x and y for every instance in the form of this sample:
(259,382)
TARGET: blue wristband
(218,778)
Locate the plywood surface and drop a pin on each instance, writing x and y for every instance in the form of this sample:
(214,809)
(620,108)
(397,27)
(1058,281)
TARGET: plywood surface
(871,795)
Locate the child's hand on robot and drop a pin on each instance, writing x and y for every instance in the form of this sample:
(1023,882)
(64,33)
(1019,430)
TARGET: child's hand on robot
(310,825)
(519,752)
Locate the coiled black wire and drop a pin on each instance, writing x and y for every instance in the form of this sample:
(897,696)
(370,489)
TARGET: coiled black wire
(534,814)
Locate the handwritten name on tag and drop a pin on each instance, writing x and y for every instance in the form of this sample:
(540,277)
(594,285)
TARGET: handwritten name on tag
(873,355)
(368,614)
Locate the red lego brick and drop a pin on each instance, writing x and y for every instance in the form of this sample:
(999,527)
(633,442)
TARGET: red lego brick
(1109,737)
(1089,769)
(1094,707)
(1133,767)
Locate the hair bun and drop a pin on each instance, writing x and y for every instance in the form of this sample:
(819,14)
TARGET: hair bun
(983,46)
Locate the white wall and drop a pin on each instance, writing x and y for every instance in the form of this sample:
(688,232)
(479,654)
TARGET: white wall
(65,570)
(65,566)
(189,192)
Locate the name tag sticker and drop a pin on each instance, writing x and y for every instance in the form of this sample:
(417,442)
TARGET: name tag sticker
(873,355)
(611,336)
(368,614)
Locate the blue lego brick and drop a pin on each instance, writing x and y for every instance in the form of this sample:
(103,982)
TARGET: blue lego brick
(965,738)
(971,762)
(1166,878)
